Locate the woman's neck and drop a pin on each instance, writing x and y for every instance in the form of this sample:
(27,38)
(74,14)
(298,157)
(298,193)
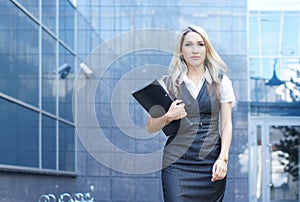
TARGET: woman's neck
(195,74)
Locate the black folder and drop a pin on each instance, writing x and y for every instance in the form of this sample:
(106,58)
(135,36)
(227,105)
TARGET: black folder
(156,101)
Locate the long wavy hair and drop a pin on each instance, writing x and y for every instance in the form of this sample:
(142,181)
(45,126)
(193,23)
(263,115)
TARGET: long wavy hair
(212,62)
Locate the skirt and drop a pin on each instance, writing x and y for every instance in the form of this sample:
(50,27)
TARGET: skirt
(187,176)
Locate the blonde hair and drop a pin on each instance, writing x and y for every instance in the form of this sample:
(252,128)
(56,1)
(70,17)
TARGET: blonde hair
(212,62)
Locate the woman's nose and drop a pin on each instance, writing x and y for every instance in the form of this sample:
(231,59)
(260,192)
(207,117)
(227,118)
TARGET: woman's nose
(195,49)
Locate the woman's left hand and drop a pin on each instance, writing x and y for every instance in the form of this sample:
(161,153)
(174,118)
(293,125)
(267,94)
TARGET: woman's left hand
(219,170)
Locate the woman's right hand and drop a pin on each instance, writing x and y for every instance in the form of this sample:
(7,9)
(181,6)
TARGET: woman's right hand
(176,111)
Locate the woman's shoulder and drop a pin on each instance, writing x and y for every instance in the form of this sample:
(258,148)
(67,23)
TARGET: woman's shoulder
(221,74)
(226,78)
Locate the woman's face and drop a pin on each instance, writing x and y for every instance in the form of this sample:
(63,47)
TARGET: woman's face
(193,50)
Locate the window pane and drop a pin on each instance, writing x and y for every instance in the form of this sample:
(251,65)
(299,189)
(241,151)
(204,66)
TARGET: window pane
(270,29)
(262,71)
(253,36)
(290,36)
(66,23)
(19,135)
(66,147)
(48,143)
(49,82)
(66,83)
(32,6)
(18,55)
(49,14)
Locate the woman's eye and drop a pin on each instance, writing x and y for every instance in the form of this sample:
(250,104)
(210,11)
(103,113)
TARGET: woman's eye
(201,44)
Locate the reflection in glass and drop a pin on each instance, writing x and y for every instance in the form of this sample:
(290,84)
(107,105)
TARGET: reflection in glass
(270,29)
(19,78)
(19,135)
(284,163)
(18,55)
(263,71)
(49,15)
(66,147)
(273,41)
(66,23)
(65,92)
(291,22)
(254,45)
(49,82)
(48,143)
(32,6)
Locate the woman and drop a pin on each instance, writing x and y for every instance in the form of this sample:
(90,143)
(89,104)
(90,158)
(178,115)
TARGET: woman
(195,159)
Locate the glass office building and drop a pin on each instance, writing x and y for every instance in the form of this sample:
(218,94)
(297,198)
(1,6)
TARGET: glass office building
(37,76)
(49,148)
(274,124)
(38,67)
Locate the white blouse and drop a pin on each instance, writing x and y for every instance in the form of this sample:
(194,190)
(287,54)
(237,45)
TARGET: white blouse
(226,91)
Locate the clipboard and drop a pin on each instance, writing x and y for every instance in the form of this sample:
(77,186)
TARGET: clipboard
(156,101)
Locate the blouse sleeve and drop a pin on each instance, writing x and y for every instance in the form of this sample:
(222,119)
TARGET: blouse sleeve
(226,91)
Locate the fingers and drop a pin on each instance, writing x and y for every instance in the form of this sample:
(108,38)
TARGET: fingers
(179,105)
(219,170)
(177,110)
(176,102)
(214,173)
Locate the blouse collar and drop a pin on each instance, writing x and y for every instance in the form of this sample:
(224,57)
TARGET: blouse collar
(206,76)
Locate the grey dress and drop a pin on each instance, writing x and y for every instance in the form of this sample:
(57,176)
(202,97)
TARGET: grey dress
(189,156)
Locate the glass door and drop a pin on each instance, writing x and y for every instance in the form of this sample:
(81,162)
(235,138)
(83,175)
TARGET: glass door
(274,159)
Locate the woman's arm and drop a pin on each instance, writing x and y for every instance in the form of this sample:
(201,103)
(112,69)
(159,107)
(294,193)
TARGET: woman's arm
(226,132)
(176,111)
(220,166)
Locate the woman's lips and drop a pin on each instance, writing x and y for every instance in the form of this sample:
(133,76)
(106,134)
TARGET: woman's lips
(195,57)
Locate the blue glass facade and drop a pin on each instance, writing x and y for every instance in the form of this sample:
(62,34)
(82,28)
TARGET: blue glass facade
(36,102)
(46,149)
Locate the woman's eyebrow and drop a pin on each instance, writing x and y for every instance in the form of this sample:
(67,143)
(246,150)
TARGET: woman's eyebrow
(192,41)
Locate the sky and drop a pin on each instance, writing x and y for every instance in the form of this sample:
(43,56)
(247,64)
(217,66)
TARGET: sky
(287,5)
